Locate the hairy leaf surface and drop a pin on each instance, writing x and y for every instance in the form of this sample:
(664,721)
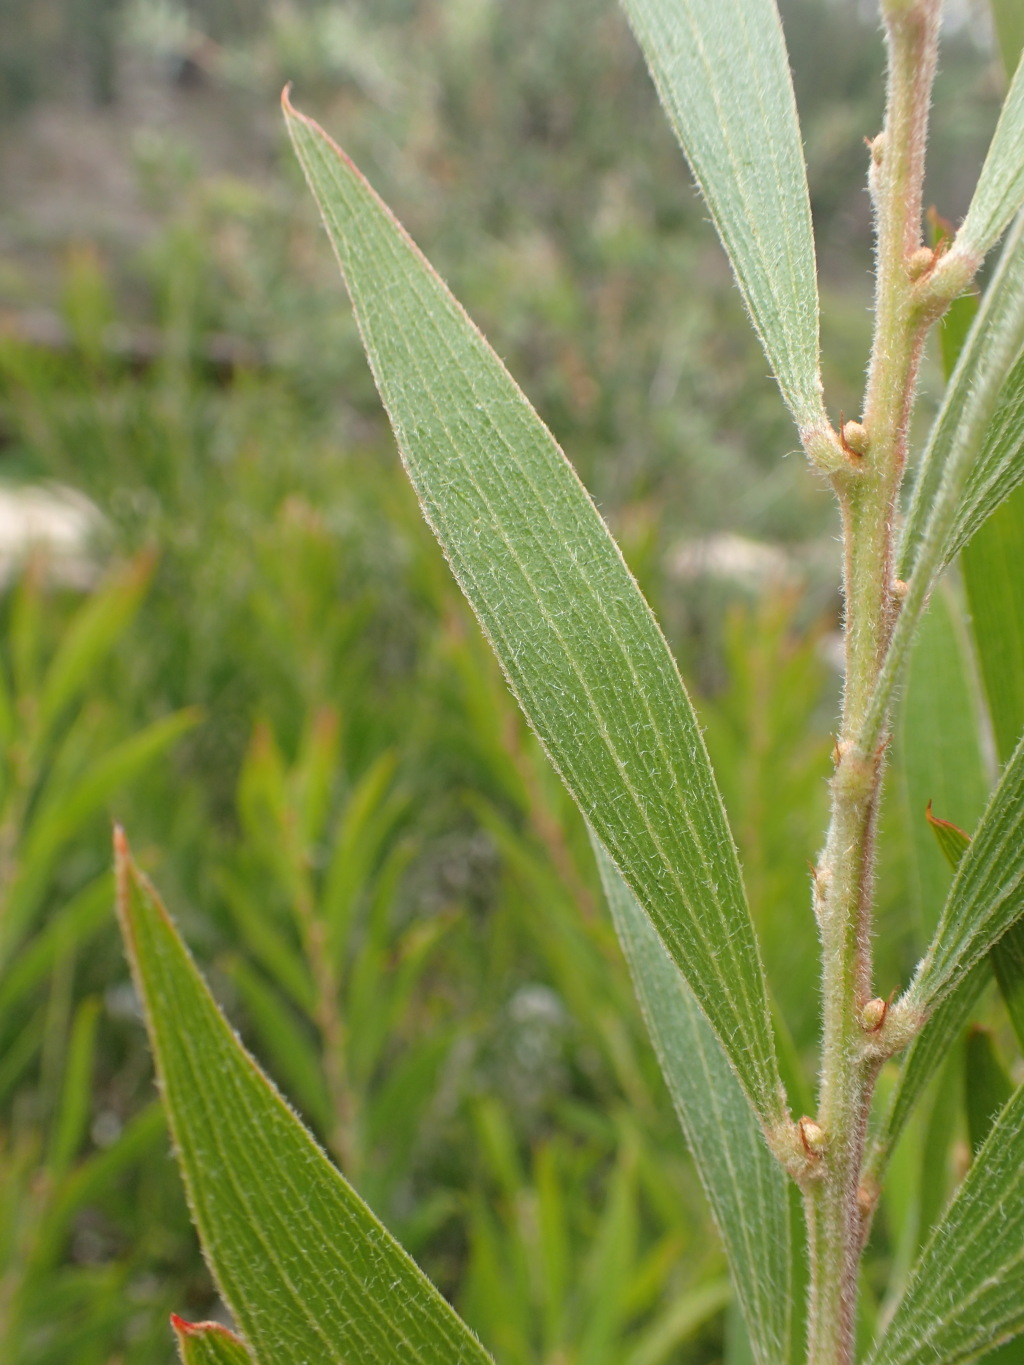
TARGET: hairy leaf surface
(744,1183)
(966,1293)
(306,1269)
(722,73)
(565,617)
(1000,189)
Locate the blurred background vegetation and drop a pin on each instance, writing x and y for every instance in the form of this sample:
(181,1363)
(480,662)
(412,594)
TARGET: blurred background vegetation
(243,643)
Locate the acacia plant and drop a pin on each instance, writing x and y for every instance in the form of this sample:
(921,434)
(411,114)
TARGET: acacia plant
(306,1269)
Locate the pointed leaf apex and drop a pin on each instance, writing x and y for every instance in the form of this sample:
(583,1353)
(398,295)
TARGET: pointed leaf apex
(953,841)
(195,1329)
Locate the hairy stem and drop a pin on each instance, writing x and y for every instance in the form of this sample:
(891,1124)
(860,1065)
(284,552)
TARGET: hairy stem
(868,500)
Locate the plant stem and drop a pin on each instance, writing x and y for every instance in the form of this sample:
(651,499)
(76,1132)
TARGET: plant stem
(868,500)
(343,1138)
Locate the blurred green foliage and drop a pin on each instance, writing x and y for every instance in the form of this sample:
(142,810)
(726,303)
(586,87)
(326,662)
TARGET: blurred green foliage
(275,687)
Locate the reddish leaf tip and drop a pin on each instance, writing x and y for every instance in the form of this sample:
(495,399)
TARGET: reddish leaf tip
(945,824)
(197,1329)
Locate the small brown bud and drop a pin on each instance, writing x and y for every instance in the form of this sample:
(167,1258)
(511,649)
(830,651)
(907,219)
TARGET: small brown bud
(855,437)
(920,262)
(812,1135)
(872,1015)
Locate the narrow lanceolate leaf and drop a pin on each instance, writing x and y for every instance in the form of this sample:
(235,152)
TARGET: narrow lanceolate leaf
(722,73)
(987,895)
(208,1343)
(579,645)
(744,1183)
(1000,189)
(306,1269)
(966,1293)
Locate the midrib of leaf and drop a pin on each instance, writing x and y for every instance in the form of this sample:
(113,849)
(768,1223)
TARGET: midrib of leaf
(547,537)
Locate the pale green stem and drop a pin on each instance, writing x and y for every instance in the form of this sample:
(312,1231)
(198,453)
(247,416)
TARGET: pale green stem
(868,499)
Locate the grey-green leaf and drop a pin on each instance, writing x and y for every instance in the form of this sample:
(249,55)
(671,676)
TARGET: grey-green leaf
(966,1293)
(1000,190)
(579,645)
(987,894)
(306,1269)
(722,73)
(744,1183)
